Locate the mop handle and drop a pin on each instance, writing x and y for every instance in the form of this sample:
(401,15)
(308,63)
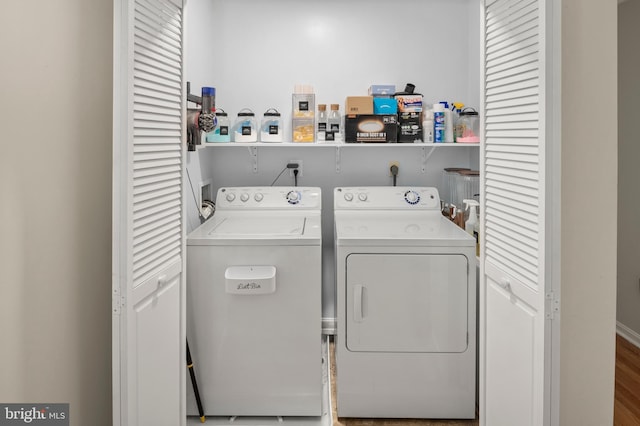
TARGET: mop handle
(195,385)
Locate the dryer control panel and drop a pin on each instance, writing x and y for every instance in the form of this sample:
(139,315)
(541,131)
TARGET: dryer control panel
(386,198)
(268,198)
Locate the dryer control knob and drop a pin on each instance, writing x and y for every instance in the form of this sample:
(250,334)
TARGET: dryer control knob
(258,197)
(348,196)
(412,197)
(230,196)
(293,197)
(362,196)
(244,197)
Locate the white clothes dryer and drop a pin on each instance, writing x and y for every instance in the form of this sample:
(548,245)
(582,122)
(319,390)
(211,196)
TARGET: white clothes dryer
(406,306)
(254,303)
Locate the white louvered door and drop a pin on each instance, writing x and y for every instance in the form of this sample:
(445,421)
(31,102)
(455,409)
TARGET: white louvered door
(148,233)
(513,328)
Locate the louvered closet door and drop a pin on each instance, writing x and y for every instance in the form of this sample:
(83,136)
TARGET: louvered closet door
(148,233)
(512,312)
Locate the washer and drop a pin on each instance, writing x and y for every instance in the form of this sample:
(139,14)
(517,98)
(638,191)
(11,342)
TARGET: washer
(254,304)
(406,303)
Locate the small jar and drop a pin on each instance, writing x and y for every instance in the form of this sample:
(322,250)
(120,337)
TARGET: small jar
(334,121)
(220,133)
(468,126)
(245,128)
(271,126)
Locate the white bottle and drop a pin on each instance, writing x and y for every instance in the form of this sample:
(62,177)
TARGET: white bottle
(448,125)
(470,224)
(438,123)
(427,126)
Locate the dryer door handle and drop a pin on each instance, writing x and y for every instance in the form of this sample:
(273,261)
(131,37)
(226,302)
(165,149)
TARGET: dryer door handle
(359,294)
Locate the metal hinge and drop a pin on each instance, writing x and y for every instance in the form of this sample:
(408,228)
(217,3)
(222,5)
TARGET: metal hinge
(117,302)
(551,305)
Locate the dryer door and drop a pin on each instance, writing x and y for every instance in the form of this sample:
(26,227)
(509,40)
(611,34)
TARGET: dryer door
(407,303)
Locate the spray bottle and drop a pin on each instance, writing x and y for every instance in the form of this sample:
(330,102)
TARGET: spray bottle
(457,108)
(472,225)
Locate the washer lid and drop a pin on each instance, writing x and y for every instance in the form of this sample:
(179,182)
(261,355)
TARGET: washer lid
(398,229)
(265,226)
(259,228)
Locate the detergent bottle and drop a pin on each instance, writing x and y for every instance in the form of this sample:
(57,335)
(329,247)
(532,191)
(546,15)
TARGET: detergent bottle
(472,225)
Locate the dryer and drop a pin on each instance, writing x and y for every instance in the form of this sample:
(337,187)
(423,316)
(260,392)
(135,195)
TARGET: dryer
(254,303)
(406,306)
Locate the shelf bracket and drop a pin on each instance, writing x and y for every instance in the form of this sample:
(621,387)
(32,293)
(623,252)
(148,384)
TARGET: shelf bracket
(338,159)
(253,151)
(425,157)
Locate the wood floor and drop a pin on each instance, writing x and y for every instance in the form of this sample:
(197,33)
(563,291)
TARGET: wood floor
(626,406)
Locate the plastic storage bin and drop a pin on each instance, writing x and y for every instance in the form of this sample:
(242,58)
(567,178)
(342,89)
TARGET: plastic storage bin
(271,126)
(449,182)
(245,128)
(467,186)
(222,131)
(468,126)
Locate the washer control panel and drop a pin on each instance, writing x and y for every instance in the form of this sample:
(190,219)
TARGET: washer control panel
(268,198)
(386,197)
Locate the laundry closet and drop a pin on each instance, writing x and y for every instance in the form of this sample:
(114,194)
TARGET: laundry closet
(254,53)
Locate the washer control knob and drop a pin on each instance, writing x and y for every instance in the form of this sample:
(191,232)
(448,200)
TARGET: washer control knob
(244,197)
(230,197)
(348,196)
(362,196)
(258,197)
(293,197)
(412,197)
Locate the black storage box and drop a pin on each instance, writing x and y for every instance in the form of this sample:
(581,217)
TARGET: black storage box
(369,128)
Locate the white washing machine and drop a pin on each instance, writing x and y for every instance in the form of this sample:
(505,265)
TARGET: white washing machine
(406,306)
(254,304)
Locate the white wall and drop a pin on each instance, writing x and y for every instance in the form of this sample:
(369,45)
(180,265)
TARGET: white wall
(629,172)
(197,70)
(588,232)
(55,212)
(262,49)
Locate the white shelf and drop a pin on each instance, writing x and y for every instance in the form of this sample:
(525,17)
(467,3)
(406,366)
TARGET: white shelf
(427,148)
(333,144)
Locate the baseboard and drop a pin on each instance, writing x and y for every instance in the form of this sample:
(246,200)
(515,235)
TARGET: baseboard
(628,334)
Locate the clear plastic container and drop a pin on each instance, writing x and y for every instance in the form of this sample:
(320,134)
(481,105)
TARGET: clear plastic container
(468,126)
(303,114)
(322,123)
(467,187)
(271,126)
(304,101)
(303,130)
(221,133)
(245,128)
(449,179)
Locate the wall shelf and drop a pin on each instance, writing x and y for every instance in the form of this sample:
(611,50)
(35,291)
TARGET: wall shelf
(330,145)
(427,149)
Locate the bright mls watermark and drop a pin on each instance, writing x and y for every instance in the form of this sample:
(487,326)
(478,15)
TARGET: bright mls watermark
(34,414)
